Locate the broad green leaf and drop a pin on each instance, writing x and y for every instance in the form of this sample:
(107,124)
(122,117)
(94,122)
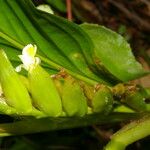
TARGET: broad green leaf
(114,53)
(58,40)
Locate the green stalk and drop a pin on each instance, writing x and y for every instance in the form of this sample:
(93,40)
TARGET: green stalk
(132,132)
(10,40)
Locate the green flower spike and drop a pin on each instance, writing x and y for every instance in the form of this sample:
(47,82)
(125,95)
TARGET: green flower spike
(42,89)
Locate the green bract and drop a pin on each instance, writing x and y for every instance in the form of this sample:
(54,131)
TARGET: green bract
(73,99)
(40,85)
(43,91)
(5,109)
(14,90)
(102,100)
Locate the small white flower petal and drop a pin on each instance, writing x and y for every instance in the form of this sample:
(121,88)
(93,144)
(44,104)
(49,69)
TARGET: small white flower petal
(29,50)
(18,68)
(28,56)
(37,60)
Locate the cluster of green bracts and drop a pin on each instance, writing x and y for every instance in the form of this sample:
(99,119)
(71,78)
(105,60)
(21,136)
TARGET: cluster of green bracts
(40,95)
(15,98)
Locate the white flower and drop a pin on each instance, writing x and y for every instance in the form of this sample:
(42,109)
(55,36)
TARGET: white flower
(28,58)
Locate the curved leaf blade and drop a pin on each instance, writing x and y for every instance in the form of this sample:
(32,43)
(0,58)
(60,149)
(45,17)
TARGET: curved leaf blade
(114,53)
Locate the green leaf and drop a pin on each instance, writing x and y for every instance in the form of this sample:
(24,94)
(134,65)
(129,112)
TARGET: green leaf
(49,124)
(61,44)
(114,53)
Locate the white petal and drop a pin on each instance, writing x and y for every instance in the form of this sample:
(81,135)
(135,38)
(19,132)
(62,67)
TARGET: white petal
(37,60)
(29,50)
(18,68)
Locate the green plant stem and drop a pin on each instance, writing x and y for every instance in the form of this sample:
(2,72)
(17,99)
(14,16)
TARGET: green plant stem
(10,40)
(129,134)
(49,124)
